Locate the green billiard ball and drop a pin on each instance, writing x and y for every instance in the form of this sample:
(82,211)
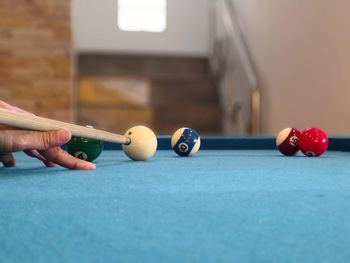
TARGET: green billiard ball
(84,148)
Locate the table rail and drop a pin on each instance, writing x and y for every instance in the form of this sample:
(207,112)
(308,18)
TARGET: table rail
(240,143)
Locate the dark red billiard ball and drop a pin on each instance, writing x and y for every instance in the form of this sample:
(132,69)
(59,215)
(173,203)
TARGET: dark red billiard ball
(287,141)
(313,142)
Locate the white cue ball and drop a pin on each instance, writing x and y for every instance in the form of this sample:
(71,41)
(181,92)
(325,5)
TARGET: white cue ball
(143,143)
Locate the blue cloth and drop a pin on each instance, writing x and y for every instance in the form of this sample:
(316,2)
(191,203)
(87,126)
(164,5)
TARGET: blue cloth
(218,206)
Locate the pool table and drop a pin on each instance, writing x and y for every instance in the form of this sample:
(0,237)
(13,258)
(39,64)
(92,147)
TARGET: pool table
(237,200)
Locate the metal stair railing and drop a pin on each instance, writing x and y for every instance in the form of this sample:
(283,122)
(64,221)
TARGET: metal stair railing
(236,81)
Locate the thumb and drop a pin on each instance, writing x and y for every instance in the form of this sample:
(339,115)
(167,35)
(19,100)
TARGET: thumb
(19,140)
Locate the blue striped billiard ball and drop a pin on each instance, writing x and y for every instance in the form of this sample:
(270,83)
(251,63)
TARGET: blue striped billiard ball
(185,142)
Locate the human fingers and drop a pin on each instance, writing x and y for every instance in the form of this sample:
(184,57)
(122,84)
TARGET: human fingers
(20,140)
(58,156)
(7,106)
(50,164)
(37,155)
(7,159)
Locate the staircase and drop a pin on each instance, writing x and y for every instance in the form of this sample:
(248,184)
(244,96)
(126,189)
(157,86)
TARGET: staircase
(114,92)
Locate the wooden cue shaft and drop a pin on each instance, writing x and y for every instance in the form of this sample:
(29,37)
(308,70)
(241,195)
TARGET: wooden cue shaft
(32,122)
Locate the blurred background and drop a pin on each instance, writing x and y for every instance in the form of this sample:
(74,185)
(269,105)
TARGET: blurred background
(243,67)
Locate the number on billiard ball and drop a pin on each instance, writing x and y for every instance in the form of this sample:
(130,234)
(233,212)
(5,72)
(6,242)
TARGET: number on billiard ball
(81,155)
(287,141)
(183,147)
(185,142)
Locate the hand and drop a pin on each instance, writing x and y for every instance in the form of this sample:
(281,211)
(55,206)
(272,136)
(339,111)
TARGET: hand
(45,146)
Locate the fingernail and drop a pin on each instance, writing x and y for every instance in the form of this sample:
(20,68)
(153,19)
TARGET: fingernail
(63,136)
(91,166)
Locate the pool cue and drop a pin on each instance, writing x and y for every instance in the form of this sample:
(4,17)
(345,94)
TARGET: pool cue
(32,122)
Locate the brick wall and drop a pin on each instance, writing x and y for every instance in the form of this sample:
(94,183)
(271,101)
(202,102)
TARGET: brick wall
(35,56)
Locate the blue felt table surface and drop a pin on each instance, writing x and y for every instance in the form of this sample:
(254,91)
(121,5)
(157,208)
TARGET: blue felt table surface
(219,206)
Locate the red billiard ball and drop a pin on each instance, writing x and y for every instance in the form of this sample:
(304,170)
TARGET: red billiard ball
(313,142)
(287,141)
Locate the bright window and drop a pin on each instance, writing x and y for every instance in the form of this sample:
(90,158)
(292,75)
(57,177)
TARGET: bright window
(142,15)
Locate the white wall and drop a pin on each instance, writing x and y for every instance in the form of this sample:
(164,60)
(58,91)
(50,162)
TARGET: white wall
(301,52)
(95,29)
